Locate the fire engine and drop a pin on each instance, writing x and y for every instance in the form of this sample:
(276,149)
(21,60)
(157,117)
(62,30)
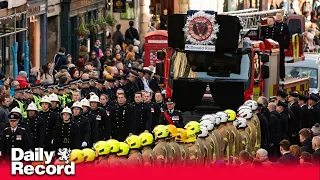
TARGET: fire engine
(231,76)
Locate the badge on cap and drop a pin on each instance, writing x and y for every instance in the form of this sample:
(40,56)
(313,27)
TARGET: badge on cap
(169,99)
(12,116)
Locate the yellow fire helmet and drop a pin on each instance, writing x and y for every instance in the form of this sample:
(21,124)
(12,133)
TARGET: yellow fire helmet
(181,135)
(146,138)
(172,130)
(193,126)
(124,149)
(76,156)
(102,148)
(161,132)
(231,114)
(114,145)
(89,155)
(134,142)
(191,136)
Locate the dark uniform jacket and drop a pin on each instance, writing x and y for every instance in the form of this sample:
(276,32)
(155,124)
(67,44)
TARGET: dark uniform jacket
(111,93)
(93,127)
(103,123)
(267,32)
(295,124)
(51,120)
(132,89)
(282,34)
(142,118)
(275,128)
(155,111)
(314,116)
(289,160)
(264,125)
(305,115)
(67,135)
(140,84)
(85,93)
(93,89)
(284,125)
(307,146)
(176,117)
(100,92)
(84,126)
(316,157)
(36,127)
(162,106)
(121,118)
(154,85)
(17,139)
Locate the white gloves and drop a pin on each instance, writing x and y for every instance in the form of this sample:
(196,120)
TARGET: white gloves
(0,153)
(84,144)
(52,141)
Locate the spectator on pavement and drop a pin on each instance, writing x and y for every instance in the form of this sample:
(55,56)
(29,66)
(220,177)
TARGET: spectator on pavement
(47,73)
(316,148)
(83,57)
(96,48)
(295,150)
(4,111)
(305,138)
(316,129)
(22,79)
(117,36)
(262,156)
(244,158)
(95,61)
(60,59)
(306,159)
(131,34)
(34,77)
(287,158)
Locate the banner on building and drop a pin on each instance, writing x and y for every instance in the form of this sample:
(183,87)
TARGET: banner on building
(16,3)
(119,6)
(201,31)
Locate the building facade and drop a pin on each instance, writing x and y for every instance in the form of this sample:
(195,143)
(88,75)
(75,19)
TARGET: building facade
(53,30)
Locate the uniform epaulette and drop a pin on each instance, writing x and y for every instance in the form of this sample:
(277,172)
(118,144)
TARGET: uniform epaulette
(178,110)
(22,128)
(6,128)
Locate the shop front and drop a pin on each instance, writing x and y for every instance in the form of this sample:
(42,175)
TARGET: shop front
(53,34)
(86,23)
(37,32)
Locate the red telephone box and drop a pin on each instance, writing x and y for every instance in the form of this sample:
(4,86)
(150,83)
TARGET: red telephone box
(154,41)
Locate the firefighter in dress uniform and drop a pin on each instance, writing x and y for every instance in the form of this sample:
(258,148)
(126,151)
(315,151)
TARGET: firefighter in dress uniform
(142,119)
(241,125)
(282,36)
(121,119)
(256,122)
(159,101)
(303,103)
(51,120)
(195,126)
(267,31)
(246,113)
(202,136)
(110,89)
(131,86)
(181,139)
(208,121)
(148,155)
(171,116)
(225,132)
(82,122)
(296,110)
(235,147)
(67,133)
(284,119)
(155,109)
(162,149)
(314,111)
(102,149)
(103,121)
(36,125)
(14,136)
(55,104)
(92,120)
(176,152)
(135,158)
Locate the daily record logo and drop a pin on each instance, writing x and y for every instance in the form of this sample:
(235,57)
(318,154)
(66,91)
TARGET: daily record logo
(18,156)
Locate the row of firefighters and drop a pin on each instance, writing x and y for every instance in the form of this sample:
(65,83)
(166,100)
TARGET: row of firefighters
(217,136)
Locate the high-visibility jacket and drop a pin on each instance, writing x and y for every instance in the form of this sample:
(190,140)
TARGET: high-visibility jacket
(22,109)
(252,130)
(62,100)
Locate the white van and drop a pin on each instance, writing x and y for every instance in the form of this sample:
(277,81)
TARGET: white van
(310,67)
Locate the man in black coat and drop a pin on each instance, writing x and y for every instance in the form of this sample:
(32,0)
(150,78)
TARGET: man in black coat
(131,33)
(295,123)
(284,119)
(316,148)
(142,117)
(314,111)
(303,100)
(274,132)
(287,158)
(264,126)
(155,109)
(164,20)
(305,139)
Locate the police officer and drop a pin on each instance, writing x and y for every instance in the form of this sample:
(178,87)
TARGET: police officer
(27,98)
(67,133)
(92,85)
(83,123)
(73,84)
(314,111)
(142,119)
(235,136)
(121,118)
(135,158)
(171,116)
(36,125)
(92,120)
(162,149)
(295,123)
(181,139)
(100,89)
(51,120)
(103,121)
(110,89)
(138,80)
(155,110)
(208,150)
(303,103)
(148,155)
(14,136)
(67,93)
(55,104)
(282,36)
(131,86)
(18,101)
(85,91)
(76,96)
(176,153)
